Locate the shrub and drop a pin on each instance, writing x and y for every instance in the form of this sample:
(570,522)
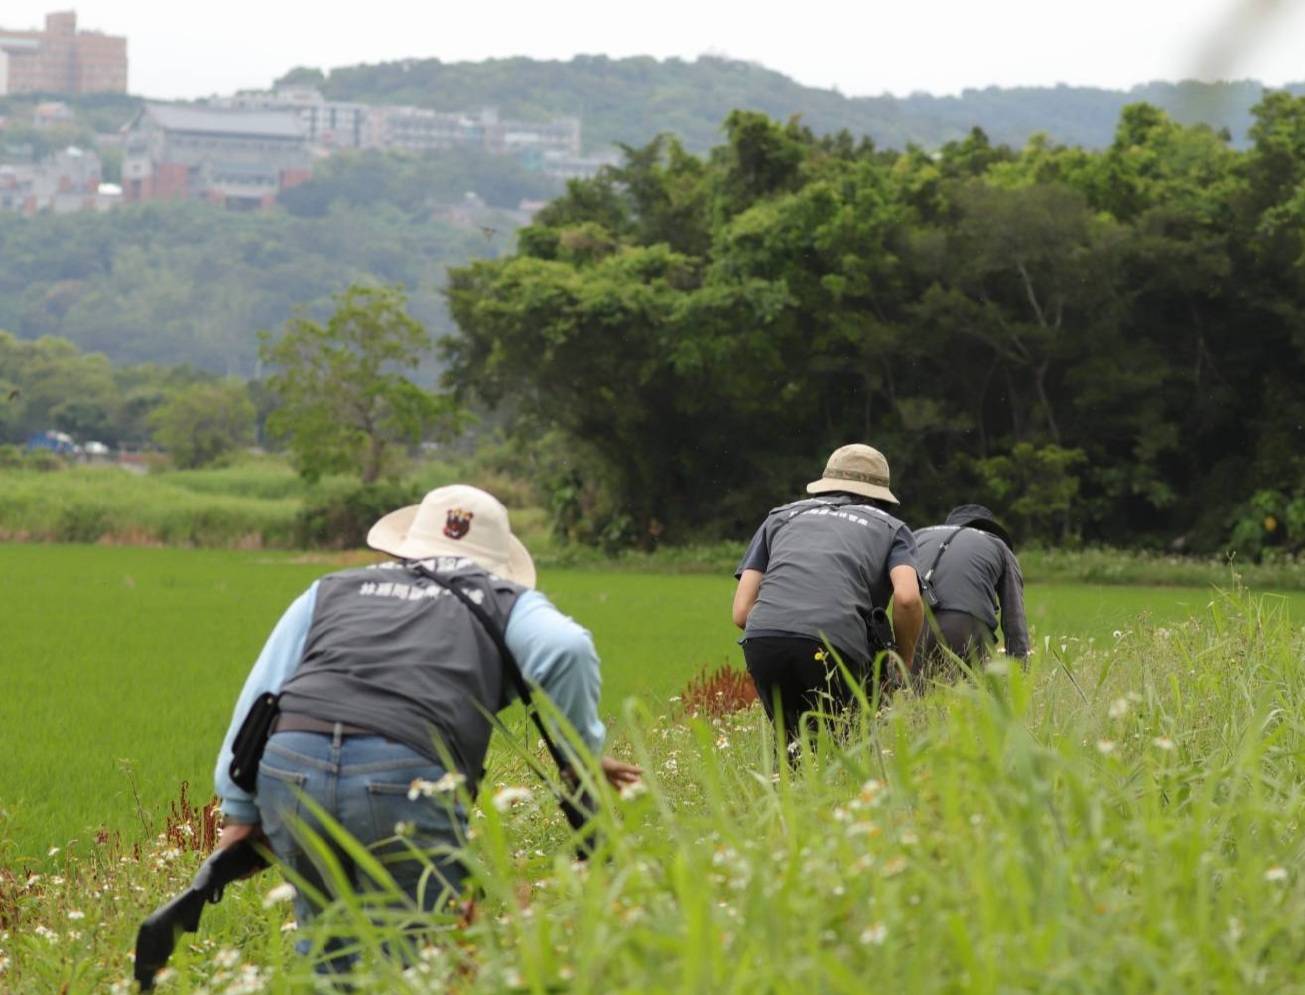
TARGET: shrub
(341,520)
(82,523)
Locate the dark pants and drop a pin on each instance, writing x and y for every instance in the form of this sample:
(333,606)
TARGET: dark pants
(802,675)
(960,633)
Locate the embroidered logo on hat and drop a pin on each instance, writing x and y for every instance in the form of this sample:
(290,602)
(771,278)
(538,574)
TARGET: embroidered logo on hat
(458,523)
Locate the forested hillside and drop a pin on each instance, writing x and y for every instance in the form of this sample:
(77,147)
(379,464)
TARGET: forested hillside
(1105,345)
(632,100)
(192,283)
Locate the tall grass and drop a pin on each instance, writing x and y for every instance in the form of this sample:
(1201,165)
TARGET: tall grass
(1120,818)
(91,504)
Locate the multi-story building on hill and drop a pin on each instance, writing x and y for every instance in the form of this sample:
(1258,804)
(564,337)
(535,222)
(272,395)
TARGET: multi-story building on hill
(420,129)
(62,59)
(238,158)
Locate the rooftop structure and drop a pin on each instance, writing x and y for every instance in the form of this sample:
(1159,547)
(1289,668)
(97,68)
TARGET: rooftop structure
(328,124)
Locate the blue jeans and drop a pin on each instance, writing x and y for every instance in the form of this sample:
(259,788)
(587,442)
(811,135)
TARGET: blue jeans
(362,782)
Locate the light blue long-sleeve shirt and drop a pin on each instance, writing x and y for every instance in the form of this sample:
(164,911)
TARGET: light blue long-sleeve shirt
(555,653)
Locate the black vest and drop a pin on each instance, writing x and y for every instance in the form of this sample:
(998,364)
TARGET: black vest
(391,651)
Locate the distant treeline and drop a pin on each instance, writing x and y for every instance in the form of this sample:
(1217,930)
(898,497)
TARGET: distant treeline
(630,100)
(1106,346)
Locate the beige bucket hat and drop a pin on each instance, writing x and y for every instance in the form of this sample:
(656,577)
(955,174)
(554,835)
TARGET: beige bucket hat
(857,468)
(458,520)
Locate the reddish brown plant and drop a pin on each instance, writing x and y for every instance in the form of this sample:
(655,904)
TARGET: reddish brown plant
(192,827)
(719,692)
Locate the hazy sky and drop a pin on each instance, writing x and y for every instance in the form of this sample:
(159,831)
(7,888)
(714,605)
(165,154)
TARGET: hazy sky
(863,48)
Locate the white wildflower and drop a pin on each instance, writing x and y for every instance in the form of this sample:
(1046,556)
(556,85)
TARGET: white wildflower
(421,788)
(289,927)
(894,867)
(4,964)
(1118,708)
(56,880)
(874,935)
(722,742)
(1105,746)
(1163,743)
(76,914)
(249,982)
(284,892)
(863,829)
(1235,929)
(227,957)
(871,789)
(1276,873)
(510,797)
(45,933)
(633,790)
(52,851)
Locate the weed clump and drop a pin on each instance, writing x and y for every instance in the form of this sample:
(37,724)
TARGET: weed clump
(713,694)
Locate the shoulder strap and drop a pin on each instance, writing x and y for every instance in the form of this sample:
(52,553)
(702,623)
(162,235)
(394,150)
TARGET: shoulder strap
(512,669)
(928,576)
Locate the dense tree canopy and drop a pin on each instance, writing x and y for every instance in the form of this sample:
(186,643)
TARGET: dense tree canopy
(191,283)
(204,423)
(1104,344)
(50,384)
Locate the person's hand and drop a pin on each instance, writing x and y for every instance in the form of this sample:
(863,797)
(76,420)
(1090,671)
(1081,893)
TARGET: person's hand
(234,832)
(620,774)
(238,832)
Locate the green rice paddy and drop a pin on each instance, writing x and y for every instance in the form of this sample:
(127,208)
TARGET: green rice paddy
(121,665)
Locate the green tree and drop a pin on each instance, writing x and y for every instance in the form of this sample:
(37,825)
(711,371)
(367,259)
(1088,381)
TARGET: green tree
(347,401)
(200,425)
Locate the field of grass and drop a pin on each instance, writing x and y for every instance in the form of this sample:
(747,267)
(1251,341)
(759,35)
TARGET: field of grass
(1134,829)
(122,664)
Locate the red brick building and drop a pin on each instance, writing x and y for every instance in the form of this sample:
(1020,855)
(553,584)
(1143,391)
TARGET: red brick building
(62,59)
(240,159)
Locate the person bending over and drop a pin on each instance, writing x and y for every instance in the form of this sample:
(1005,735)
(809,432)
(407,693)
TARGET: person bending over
(971,575)
(813,574)
(386,681)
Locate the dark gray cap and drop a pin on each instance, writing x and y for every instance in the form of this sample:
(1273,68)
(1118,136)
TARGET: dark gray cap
(976,516)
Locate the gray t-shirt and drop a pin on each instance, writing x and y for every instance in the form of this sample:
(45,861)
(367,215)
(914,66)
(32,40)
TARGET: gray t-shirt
(978,574)
(826,562)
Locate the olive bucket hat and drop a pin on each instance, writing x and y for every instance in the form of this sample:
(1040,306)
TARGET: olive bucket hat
(857,468)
